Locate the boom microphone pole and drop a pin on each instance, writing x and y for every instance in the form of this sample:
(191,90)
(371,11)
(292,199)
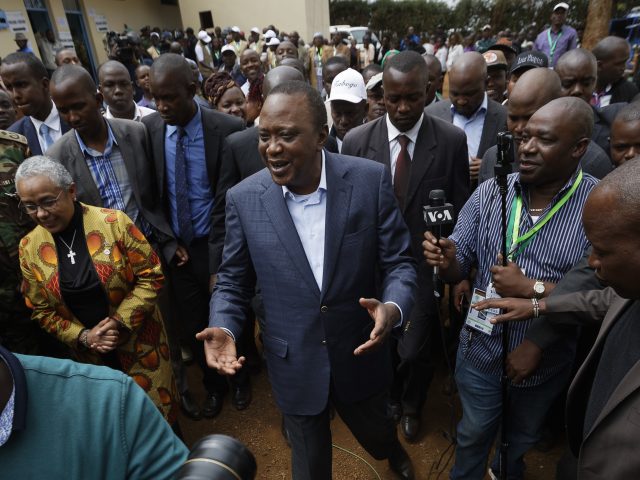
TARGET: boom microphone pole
(502,170)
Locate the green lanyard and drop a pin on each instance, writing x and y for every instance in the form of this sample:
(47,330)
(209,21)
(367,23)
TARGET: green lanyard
(517,245)
(552,45)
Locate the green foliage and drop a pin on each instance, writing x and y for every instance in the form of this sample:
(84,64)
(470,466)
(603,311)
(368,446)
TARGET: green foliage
(469,15)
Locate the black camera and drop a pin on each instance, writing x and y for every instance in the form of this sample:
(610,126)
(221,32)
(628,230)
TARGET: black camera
(218,457)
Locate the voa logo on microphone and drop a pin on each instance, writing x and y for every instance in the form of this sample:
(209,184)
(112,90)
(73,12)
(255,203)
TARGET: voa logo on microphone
(440,216)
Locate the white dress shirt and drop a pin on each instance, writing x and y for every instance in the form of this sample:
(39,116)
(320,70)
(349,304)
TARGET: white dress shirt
(53,122)
(394,145)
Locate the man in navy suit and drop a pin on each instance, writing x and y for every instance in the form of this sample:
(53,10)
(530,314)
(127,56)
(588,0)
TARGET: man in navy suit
(314,229)
(26,78)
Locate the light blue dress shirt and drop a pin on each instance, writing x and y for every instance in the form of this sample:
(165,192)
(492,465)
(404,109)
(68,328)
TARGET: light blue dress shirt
(308,213)
(200,196)
(472,126)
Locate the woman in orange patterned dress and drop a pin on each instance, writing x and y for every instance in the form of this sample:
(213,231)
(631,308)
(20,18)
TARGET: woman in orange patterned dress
(92,280)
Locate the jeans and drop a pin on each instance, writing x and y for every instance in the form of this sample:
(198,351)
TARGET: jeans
(481,399)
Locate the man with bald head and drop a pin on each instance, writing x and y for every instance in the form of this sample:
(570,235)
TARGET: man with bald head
(547,195)
(117,91)
(578,71)
(435,79)
(612,55)
(187,143)
(535,88)
(470,109)
(109,159)
(603,398)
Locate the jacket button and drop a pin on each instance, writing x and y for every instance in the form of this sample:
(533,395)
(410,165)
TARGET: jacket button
(324,342)
(324,309)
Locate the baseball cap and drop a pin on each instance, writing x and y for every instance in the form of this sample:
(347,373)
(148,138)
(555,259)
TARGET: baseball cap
(204,36)
(486,27)
(317,34)
(374,81)
(235,29)
(530,60)
(20,36)
(504,44)
(256,30)
(495,59)
(155,34)
(273,41)
(228,48)
(349,86)
(269,34)
(561,5)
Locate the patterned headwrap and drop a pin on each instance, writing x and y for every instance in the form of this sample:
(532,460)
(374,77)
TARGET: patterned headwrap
(216,85)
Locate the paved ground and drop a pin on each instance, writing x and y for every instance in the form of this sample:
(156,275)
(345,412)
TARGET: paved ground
(259,428)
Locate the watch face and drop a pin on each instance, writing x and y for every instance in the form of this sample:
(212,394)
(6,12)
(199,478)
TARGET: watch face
(538,287)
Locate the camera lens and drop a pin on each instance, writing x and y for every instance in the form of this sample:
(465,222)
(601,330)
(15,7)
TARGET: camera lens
(218,457)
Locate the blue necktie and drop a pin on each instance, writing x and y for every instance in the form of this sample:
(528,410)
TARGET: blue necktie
(183,209)
(45,133)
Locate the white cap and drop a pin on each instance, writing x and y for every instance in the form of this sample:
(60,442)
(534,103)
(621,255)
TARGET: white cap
(156,34)
(317,34)
(349,86)
(486,27)
(204,36)
(269,34)
(561,5)
(273,41)
(228,48)
(374,81)
(235,29)
(256,30)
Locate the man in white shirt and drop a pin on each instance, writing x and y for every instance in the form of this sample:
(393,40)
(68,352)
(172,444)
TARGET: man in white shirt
(26,79)
(117,89)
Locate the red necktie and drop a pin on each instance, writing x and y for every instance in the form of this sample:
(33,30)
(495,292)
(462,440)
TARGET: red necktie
(403,166)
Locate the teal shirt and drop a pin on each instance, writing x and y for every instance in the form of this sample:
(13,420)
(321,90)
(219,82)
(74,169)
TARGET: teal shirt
(88,422)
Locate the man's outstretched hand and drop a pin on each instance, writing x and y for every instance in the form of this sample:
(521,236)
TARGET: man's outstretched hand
(220,351)
(385,316)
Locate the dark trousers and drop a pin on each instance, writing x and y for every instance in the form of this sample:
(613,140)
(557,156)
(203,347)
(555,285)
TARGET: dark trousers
(190,295)
(310,435)
(414,354)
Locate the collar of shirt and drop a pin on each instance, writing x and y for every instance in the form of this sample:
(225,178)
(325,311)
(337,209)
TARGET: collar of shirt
(557,196)
(52,121)
(6,416)
(111,141)
(140,111)
(322,186)
(412,133)
(480,110)
(191,128)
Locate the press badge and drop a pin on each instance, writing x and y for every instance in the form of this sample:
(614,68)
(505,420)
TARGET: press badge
(481,320)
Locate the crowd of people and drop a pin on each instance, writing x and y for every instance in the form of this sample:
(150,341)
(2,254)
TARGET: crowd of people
(141,231)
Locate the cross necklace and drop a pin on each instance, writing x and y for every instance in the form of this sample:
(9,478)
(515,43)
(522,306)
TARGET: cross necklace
(71,255)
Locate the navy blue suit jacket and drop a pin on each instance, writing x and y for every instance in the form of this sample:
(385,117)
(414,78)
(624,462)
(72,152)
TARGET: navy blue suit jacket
(310,333)
(25,127)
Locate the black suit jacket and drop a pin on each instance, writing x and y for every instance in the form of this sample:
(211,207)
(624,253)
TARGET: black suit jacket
(240,159)
(602,120)
(216,127)
(133,142)
(25,127)
(440,161)
(495,121)
(623,91)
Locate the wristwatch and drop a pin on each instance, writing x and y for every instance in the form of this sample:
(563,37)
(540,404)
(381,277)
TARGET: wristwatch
(538,289)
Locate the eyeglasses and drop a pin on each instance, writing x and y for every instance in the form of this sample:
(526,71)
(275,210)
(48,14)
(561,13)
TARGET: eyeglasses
(46,205)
